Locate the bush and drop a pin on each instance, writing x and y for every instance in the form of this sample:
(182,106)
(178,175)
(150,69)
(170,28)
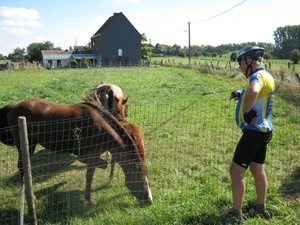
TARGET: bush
(295,56)
(233,56)
(73,63)
(85,63)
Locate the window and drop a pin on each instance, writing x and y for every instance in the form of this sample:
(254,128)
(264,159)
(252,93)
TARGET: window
(119,52)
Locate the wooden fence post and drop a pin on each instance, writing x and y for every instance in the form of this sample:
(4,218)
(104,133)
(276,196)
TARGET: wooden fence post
(27,169)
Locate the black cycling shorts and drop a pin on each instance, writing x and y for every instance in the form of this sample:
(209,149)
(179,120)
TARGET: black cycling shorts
(252,147)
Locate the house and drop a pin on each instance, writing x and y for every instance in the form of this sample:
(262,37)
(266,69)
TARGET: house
(116,43)
(62,58)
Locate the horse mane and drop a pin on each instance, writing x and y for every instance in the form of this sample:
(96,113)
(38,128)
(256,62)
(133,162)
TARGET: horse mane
(104,96)
(118,93)
(122,132)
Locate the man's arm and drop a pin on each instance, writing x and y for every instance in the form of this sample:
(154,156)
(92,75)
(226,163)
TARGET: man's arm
(251,96)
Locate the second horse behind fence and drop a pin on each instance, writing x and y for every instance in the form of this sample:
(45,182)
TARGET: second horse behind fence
(87,130)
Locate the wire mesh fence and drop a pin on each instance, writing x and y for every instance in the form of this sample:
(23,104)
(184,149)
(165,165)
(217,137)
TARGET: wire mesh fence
(183,140)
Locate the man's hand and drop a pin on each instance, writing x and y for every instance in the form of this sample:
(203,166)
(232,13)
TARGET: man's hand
(235,95)
(249,116)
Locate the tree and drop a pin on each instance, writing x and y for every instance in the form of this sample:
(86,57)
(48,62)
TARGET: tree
(295,56)
(2,57)
(233,56)
(286,39)
(267,56)
(34,50)
(18,55)
(146,48)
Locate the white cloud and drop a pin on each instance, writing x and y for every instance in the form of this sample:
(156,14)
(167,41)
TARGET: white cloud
(16,31)
(27,22)
(14,20)
(18,13)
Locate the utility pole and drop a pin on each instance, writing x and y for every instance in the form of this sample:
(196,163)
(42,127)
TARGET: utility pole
(189,32)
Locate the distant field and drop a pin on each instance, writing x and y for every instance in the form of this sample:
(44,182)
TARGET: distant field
(223,61)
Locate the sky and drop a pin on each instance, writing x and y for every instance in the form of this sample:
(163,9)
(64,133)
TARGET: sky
(66,23)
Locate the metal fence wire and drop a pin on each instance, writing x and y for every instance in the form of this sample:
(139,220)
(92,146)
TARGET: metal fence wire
(182,141)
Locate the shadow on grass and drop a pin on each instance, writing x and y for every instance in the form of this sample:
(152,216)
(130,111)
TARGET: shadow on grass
(63,206)
(61,201)
(45,164)
(9,216)
(290,187)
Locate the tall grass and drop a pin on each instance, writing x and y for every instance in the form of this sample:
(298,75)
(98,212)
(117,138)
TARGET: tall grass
(188,124)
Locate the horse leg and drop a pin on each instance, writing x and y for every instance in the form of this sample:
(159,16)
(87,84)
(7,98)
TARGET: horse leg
(88,185)
(94,161)
(111,175)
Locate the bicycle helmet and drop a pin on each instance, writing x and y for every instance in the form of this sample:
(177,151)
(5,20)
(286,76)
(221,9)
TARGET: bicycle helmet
(253,52)
(250,51)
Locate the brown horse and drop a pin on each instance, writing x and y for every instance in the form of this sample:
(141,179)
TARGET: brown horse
(118,106)
(87,130)
(133,130)
(99,93)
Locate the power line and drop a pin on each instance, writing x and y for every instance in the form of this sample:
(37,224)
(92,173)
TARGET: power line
(174,32)
(220,13)
(203,20)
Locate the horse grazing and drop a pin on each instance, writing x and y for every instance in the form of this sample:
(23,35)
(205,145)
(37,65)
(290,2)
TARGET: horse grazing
(119,109)
(133,130)
(85,129)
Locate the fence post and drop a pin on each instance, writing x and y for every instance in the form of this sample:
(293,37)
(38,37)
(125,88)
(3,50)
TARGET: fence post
(27,169)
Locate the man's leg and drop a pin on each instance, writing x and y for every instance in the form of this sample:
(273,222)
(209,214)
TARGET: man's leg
(238,183)
(260,179)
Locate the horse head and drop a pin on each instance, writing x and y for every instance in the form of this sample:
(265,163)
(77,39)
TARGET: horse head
(131,158)
(137,182)
(113,101)
(136,173)
(120,111)
(118,93)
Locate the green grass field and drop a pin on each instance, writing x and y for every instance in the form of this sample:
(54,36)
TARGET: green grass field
(190,134)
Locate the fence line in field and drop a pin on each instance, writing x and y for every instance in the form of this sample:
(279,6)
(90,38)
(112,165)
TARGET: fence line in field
(200,139)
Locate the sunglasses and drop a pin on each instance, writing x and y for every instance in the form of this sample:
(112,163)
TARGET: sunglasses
(240,61)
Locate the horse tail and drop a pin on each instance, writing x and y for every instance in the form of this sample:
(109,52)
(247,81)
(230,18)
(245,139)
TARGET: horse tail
(5,135)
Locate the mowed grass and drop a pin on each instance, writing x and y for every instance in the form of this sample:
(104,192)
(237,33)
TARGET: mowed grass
(190,134)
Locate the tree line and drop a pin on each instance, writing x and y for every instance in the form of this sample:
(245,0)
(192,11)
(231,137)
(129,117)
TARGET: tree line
(286,46)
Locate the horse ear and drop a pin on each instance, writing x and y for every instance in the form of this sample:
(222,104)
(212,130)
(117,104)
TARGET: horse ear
(125,100)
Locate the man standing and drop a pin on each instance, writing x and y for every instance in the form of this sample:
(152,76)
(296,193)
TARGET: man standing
(252,116)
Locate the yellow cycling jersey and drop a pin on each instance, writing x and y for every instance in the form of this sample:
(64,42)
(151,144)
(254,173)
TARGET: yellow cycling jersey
(263,105)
